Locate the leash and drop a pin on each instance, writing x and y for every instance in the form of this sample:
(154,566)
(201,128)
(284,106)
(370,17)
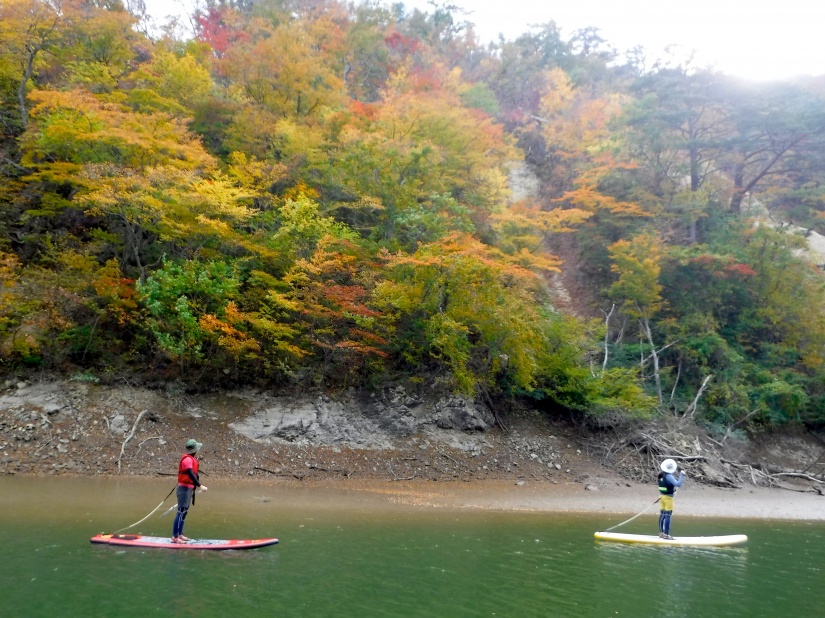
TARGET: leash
(634,517)
(150,514)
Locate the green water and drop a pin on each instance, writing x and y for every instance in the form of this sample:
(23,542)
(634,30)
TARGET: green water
(347,554)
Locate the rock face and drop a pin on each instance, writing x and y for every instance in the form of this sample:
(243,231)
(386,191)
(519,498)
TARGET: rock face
(79,427)
(357,420)
(523,182)
(321,421)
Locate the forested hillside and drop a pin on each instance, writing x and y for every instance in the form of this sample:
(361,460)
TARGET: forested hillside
(315,194)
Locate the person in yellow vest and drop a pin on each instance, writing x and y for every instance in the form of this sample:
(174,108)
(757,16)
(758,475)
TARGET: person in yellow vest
(188,481)
(667,488)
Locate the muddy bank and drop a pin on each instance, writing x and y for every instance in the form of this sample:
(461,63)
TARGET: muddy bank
(617,502)
(698,501)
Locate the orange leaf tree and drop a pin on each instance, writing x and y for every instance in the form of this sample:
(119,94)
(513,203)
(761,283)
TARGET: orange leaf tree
(466,307)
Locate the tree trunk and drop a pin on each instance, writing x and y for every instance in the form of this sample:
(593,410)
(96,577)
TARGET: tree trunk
(695,176)
(657,378)
(607,336)
(21,89)
(738,189)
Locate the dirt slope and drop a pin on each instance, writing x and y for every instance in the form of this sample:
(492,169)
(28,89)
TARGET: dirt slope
(61,427)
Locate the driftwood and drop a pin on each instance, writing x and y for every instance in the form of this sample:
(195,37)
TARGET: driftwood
(772,479)
(798,475)
(636,453)
(807,490)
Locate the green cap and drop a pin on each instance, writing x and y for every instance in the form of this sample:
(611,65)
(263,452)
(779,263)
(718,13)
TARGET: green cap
(193,446)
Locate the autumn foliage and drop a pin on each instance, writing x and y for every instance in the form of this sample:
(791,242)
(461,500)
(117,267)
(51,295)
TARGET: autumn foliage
(326,194)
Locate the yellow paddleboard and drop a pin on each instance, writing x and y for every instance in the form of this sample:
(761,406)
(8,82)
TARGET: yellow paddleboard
(712,541)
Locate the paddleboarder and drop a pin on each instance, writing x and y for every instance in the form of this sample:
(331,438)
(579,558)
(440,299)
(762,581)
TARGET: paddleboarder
(188,481)
(667,488)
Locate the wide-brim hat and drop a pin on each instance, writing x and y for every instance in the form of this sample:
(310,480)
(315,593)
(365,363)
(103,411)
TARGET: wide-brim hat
(193,446)
(669,466)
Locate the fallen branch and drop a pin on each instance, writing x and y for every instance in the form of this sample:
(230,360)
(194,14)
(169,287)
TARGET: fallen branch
(772,478)
(798,475)
(270,471)
(753,471)
(46,443)
(450,458)
(140,446)
(129,437)
(727,483)
(688,457)
(661,447)
(814,462)
(801,491)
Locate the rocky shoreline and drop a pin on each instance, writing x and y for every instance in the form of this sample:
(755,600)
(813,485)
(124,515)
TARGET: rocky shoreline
(434,442)
(65,427)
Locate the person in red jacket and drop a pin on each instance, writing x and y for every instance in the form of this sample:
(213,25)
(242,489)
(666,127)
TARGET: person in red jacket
(188,481)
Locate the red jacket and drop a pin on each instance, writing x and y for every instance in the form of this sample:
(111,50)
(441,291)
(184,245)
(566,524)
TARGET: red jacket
(184,465)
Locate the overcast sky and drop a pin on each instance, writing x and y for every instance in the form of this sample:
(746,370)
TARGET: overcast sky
(756,39)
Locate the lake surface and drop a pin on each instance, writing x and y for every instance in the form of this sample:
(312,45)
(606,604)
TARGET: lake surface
(358,554)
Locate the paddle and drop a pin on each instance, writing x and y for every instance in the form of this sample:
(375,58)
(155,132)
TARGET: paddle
(634,517)
(150,514)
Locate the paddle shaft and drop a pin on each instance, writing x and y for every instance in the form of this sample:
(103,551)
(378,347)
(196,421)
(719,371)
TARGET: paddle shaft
(150,514)
(634,517)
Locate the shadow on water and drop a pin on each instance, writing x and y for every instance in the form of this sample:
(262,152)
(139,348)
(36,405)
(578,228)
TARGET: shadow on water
(358,554)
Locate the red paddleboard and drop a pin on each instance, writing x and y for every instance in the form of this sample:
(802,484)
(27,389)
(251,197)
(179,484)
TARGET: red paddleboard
(138,540)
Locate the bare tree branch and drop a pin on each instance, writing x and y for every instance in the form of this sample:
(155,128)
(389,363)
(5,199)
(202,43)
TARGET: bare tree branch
(129,437)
